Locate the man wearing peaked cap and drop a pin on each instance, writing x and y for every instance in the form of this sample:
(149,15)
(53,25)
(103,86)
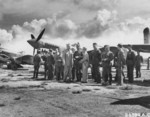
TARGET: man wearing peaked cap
(50,64)
(130,61)
(107,57)
(77,56)
(36,61)
(95,59)
(68,63)
(121,61)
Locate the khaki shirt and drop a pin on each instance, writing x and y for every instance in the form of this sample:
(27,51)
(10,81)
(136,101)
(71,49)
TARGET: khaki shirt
(68,58)
(37,60)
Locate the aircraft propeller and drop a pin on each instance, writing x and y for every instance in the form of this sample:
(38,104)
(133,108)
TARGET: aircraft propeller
(38,38)
(40,35)
(32,36)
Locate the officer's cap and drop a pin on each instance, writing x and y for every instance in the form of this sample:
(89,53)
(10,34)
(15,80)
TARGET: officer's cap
(120,45)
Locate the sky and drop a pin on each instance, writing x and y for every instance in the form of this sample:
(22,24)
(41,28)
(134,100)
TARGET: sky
(69,21)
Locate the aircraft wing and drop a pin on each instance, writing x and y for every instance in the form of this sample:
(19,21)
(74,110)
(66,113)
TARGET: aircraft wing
(140,47)
(4,58)
(10,54)
(112,48)
(26,59)
(49,46)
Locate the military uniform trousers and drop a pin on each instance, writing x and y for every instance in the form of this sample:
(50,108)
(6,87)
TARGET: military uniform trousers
(138,71)
(50,72)
(96,73)
(67,72)
(59,72)
(107,74)
(84,72)
(130,69)
(36,71)
(119,75)
(45,70)
(78,72)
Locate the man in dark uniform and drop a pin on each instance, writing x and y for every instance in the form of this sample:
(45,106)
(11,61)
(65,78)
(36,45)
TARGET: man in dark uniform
(116,63)
(138,61)
(107,57)
(44,57)
(73,67)
(50,65)
(95,63)
(130,61)
(77,65)
(58,65)
(120,64)
(36,61)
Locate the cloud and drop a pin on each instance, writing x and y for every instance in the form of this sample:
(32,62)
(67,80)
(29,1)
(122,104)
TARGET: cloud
(128,9)
(98,25)
(5,36)
(103,28)
(96,4)
(19,11)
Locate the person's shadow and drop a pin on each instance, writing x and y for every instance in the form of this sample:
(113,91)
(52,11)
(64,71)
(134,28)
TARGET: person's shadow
(142,101)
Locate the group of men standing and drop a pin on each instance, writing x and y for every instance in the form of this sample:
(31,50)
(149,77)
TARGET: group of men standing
(64,65)
(71,65)
(76,64)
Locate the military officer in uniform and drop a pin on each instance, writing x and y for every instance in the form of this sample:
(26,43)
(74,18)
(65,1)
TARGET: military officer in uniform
(58,65)
(77,65)
(36,61)
(130,61)
(85,64)
(44,57)
(68,64)
(95,59)
(107,57)
(50,65)
(120,64)
(138,61)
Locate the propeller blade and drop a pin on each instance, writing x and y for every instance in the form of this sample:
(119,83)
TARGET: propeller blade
(40,35)
(33,51)
(32,36)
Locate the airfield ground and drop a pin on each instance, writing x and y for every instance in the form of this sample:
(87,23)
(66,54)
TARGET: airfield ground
(21,96)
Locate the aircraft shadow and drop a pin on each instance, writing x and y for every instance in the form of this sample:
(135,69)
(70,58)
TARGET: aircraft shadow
(142,101)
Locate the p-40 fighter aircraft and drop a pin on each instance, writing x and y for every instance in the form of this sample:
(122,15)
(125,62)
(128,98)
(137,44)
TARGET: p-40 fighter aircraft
(14,60)
(36,43)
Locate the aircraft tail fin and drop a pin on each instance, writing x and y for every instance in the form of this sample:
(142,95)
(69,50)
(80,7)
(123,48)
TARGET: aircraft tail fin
(146,33)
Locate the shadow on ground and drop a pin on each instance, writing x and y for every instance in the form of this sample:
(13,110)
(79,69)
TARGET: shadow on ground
(142,101)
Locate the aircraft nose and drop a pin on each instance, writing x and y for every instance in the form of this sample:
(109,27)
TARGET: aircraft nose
(30,42)
(33,43)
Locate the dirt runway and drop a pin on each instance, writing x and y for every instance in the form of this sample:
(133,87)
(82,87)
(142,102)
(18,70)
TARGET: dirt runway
(21,96)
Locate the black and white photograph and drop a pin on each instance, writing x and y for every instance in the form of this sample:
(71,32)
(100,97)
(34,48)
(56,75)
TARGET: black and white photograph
(74,58)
